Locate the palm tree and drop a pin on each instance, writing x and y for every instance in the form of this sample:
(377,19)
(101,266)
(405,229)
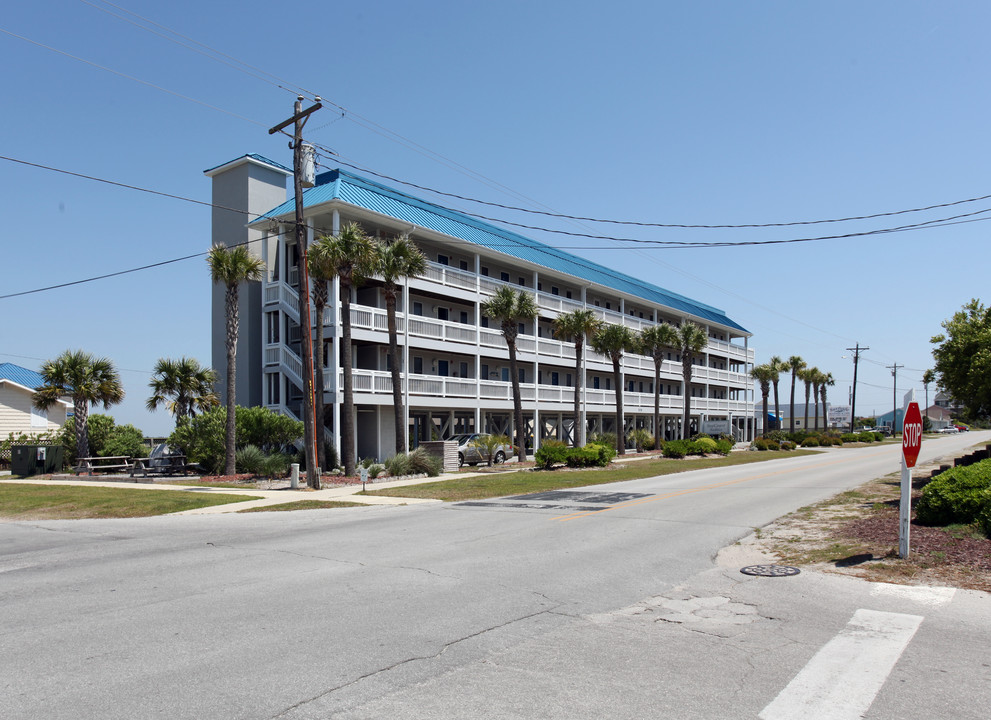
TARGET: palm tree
(87,380)
(778,366)
(816,380)
(352,255)
(653,341)
(764,375)
(509,309)
(928,377)
(612,341)
(400,259)
(321,271)
(796,364)
(183,386)
(232,266)
(575,326)
(806,376)
(825,381)
(692,339)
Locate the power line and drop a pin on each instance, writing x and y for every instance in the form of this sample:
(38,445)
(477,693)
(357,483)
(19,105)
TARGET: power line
(131,77)
(637,223)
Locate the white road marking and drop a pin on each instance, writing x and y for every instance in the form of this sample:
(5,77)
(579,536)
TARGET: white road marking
(934,596)
(841,681)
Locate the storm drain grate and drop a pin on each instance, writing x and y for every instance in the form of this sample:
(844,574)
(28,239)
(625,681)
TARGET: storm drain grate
(770,570)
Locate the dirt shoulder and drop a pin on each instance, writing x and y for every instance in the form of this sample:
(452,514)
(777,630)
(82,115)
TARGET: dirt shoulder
(856,533)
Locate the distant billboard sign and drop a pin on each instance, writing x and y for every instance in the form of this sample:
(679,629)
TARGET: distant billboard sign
(840,415)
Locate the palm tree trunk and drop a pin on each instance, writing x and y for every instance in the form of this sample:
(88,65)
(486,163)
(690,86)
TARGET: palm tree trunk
(517,401)
(620,420)
(229,425)
(579,379)
(347,421)
(318,411)
(791,412)
(686,376)
(806,425)
(777,408)
(397,389)
(657,402)
(81,409)
(815,398)
(764,419)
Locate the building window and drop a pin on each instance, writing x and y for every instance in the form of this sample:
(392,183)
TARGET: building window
(608,383)
(273,388)
(504,276)
(464,317)
(630,385)
(485,271)
(567,379)
(443,368)
(540,286)
(463,368)
(555,378)
(505,374)
(522,375)
(522,280)
(485,372)
(418,365)
(555,291)
(272,326)
(522,329)
(418,308)
(595,382)
(441,313)
(464,265)
(443,259)
(485,321)
(567,294)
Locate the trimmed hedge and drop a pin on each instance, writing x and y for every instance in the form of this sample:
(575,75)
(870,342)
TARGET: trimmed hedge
(555,452)
(959,495)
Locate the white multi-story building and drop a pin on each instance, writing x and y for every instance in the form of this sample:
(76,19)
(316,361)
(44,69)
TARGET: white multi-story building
(456,366)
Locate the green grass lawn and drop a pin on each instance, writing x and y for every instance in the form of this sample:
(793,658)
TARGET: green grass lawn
(72,502)
(522,482)
(304,505)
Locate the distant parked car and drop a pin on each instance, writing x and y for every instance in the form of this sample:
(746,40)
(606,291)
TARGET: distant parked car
(961,428)
(950,430)
(469,453)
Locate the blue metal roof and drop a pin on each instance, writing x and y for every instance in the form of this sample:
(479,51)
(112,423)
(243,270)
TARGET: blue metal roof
(21,376)
(347,187)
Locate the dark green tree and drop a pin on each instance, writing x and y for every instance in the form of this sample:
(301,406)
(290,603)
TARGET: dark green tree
(963,359)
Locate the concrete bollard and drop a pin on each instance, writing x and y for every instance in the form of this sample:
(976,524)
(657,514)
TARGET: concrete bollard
(294,476)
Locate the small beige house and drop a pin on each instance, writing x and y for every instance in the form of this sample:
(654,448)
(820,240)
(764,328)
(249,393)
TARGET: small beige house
(17,412)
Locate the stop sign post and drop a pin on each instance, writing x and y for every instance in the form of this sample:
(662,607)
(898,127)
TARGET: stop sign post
(911,444)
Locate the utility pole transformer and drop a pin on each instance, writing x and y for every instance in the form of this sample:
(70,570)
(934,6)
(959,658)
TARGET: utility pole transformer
(311,431)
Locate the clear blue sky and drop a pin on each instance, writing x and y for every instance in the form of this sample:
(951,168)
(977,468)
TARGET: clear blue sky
(698,113)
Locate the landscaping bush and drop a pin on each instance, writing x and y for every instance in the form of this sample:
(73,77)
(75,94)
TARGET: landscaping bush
(867,437)
(787,445)
(850,437)
(249,459)
(724,446)
(959,495)
(398,465)
(776,436)
(275,465)
(810,441)
(551,452)
(765,443)
(641,439)
(607,439)
(420,461)
(592,455)
(677,448)
(703,446)
(984,520)
(878,437)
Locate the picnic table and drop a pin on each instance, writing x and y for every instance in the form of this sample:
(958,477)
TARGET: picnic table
(171,464)
(106,463)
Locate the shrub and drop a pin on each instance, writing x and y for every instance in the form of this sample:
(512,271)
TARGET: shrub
(641,439)
(488,445)
(552,452)
(398,465)
(201,438)
(330,453)
(810,441)
(766,443)
(959,495)
(867,437)
(275,465)
(592,455)
(703,446)
(850,437)
(249,459)
(984,520)
(676,448)
(607,439)
(878,437)
(420,461)
(776,435)
(724,446)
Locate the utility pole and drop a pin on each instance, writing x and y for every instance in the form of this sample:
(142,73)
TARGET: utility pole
(310,436)
(894,395)
(853,402)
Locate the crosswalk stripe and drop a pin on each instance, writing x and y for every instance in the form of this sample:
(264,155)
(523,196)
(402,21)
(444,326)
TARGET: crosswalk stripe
(841,681)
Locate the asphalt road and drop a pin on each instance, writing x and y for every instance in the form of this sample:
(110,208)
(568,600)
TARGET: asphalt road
(603,604)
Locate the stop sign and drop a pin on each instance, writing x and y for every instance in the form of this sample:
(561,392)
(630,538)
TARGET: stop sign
(912,434)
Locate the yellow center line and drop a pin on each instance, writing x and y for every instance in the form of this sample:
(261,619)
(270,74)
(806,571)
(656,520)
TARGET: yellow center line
(713,486)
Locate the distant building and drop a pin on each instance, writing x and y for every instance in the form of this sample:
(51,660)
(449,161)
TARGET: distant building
(17,411)
(785,423)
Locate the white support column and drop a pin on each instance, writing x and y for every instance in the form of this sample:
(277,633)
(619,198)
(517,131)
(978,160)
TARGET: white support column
(404,375)
(478,344)
(335,222)
(583,387)
(336,365)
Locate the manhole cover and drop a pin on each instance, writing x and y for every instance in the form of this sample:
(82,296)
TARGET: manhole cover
(770,570)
